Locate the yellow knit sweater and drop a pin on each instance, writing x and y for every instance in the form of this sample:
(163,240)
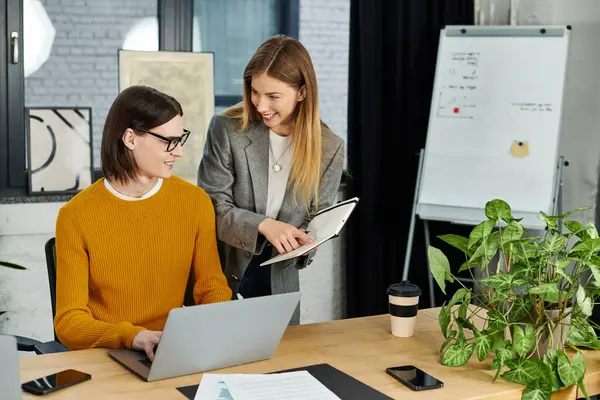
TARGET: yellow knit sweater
(122,265)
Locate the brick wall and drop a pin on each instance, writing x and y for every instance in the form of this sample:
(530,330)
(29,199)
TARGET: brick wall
(83,69)
(325,32)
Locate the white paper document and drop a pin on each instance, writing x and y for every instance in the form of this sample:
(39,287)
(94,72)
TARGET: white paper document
(212,387)
(326,225)
(298,385)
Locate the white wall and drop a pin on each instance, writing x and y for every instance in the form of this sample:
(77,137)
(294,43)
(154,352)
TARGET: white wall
(24,230)
(580,137)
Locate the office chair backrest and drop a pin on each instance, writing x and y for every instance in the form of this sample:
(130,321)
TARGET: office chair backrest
(51,266)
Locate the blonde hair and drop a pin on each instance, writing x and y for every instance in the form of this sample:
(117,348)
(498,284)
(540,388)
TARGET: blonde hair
(286,59)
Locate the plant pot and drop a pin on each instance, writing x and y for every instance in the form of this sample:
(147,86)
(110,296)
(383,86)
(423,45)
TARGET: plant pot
(555,335)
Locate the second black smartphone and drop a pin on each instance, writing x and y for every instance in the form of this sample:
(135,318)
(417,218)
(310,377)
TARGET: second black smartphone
(54,382)
(414,378)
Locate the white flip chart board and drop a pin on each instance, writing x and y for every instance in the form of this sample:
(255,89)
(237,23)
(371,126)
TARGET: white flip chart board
(495,122)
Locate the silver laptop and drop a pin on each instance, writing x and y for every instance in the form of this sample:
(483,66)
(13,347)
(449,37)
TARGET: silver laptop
(10,381)
(212,336)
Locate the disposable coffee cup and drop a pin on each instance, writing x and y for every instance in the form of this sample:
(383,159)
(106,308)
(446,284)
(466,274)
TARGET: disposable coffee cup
(403,305)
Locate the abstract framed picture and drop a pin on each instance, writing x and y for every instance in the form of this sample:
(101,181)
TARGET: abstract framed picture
(59,149)
(189,78)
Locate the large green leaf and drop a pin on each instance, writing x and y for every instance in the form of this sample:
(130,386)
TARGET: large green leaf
(444,320)
(577,229)
(440,267)
(586,247)
(523,341)
(486,250)
(459,242)
(570,372)
(512,232)
(522,371)
(553,297)
(458,354)
(522,307)
(582,335)
(591,230)
(588,231)
(549,367)
(498,209)
(11,265)
(462,295)
(500,281)
(482,230)
(594,265)
(537,392)
(552,244)
(503,282)
(483,345)
(584,303)
(519,268)
(544,289)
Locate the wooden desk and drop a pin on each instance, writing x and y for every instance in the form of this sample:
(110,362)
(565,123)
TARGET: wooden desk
(361,347)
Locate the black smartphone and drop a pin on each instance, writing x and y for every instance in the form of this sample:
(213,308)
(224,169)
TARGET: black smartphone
(414,378)
(54,382)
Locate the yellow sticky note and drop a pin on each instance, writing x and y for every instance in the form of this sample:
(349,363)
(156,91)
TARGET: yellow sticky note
(520,149)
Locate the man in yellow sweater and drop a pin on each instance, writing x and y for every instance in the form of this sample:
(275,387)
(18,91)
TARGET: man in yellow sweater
(125,245)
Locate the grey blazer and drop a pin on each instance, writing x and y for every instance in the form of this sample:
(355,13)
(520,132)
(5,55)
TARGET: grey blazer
(234,173)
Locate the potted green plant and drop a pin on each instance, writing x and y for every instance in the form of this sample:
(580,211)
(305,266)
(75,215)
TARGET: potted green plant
(12,266)
(537,301)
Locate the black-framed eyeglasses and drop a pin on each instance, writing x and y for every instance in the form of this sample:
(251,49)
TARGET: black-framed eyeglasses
(171,142)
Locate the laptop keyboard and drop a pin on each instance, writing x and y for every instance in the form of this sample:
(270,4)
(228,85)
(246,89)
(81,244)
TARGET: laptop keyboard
(146,362)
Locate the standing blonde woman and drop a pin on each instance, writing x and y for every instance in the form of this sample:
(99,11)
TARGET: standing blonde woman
(269,165)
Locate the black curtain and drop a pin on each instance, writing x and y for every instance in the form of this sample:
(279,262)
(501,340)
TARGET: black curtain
(393,48)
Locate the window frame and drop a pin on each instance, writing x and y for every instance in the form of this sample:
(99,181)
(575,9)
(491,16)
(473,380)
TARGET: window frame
(13,170)
(176,30)
(175,33)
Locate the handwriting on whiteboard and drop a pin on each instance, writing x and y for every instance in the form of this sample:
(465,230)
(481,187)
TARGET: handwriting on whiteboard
(533,106)
(458,92)
(463,66)
(456,103)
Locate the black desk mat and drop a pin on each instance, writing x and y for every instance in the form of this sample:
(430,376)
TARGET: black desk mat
(343,385)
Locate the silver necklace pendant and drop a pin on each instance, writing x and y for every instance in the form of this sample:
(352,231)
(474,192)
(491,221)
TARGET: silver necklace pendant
(276,167)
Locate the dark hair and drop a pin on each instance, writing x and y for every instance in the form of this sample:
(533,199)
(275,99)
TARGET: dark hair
(137,107)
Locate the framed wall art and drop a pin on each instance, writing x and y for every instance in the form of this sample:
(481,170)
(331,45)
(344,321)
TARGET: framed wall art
(189,78)
(59,149)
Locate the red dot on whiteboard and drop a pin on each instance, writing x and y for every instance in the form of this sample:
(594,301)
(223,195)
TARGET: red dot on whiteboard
(456,110)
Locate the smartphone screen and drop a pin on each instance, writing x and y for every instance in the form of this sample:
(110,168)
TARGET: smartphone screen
(415,378)
(54,382)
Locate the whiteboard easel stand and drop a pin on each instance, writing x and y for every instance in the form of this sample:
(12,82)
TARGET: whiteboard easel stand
(556,210)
